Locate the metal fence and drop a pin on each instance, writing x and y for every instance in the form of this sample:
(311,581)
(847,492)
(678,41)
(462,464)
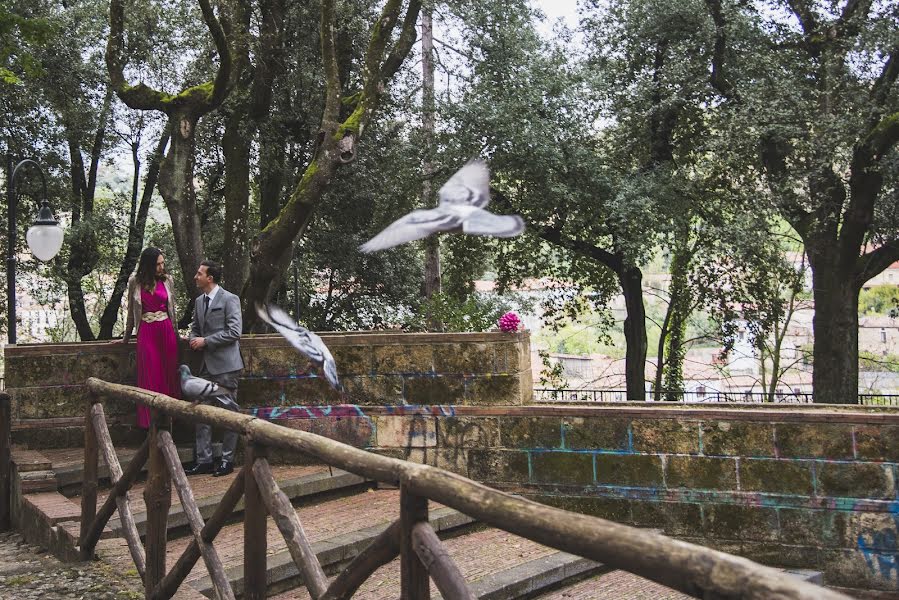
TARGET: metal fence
(579,396)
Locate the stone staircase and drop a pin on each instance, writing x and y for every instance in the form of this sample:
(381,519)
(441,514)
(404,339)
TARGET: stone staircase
(341,514)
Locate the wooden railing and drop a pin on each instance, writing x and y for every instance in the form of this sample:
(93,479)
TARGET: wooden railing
(694,570)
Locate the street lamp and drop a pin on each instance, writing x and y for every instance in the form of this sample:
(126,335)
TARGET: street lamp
(44,237)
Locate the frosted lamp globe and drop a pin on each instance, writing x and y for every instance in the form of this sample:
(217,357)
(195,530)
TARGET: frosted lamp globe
(44,240)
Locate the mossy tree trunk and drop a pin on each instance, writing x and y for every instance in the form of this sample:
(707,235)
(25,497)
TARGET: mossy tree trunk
(184,110)
(272,247)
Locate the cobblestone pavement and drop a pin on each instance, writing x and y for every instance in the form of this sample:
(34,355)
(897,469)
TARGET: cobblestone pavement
(27,573)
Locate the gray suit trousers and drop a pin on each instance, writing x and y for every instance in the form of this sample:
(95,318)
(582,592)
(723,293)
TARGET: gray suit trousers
(204,431)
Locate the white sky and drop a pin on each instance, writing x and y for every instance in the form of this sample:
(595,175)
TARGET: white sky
(557,9)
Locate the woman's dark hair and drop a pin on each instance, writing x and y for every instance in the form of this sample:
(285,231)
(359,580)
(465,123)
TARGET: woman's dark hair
(146,268)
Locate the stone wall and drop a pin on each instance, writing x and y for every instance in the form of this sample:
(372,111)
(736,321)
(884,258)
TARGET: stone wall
(812,487)
(47,381)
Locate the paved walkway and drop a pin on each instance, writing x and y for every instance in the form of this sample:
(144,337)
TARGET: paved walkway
(26,573)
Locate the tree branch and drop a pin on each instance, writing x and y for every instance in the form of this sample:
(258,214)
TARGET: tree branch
(805,15)
(200,99)
(329,62)
(880,92)
(404,43)
(601,255)
(718,77)
(875,262)
(223,76)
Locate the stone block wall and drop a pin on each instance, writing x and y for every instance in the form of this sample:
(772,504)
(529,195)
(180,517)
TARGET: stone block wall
(812,487)
(47,381)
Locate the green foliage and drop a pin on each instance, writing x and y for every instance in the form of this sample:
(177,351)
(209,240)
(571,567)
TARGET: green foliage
(552,373)
(878,300)
(477,312)
(869,361)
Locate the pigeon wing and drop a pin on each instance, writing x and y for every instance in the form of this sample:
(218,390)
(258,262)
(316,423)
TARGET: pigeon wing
(469,185)
(298,336)
(482,222)
(306,342)
(327,364)
(416,225)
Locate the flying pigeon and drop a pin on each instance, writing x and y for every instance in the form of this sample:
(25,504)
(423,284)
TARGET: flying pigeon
(308,343)
(197,388)
(461,205)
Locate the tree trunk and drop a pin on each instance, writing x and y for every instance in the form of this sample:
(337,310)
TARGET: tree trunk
(680,312)
(272,142)
(835,326)
(631,279)
(176,185)
(432,243)
(136,230)
(236,149)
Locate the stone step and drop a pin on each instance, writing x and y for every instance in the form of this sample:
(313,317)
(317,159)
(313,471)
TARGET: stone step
(535,576)
(68,464)
(338,530)
(296,482)
(496,564)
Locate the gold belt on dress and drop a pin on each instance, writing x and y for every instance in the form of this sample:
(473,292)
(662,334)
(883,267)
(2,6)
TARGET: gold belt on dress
(152,317)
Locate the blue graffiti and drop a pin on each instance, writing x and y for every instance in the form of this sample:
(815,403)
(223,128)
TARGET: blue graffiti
(873,551)
(880,548)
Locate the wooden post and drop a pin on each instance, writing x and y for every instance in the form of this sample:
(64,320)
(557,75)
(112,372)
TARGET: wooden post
(443,570)
(379,552)
(158,498)
(95,530)
(129,528)
(89,482)
(191,554)
(214,566)
(413,574)
(285,517)
(254,529)
(5,475)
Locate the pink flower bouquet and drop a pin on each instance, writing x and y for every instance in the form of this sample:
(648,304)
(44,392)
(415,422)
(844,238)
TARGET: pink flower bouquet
(509,322)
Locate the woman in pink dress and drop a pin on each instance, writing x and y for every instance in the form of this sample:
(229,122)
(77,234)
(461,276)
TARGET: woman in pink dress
(151,307)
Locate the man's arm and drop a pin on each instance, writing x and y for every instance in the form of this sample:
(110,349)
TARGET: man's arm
(194,325)
(233,325)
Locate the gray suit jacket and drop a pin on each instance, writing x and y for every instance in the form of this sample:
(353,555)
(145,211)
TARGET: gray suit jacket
(221,328)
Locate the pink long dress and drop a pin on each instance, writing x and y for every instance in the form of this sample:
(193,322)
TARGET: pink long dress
(157,352)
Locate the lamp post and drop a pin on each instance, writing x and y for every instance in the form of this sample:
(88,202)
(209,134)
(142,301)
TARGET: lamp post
(44,237)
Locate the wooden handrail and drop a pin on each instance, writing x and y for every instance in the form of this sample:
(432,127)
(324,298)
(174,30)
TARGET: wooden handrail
(89,483)
(688,568)
(285,517)
(174,578)
(94,529)
(129,528)
(414,583)
(194,519)
(443,570)
(378,553)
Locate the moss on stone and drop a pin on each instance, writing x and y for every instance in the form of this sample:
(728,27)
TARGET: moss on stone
(776,476)
(701,473)
(637,470)
(530,432)
(566,468)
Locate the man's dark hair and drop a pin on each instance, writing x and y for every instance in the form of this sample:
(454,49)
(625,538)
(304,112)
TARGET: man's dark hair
(213,269)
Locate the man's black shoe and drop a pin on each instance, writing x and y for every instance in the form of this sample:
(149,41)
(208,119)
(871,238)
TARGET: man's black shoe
(224,468)
(199,469)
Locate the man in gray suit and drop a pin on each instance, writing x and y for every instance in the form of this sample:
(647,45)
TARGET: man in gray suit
(215,331)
